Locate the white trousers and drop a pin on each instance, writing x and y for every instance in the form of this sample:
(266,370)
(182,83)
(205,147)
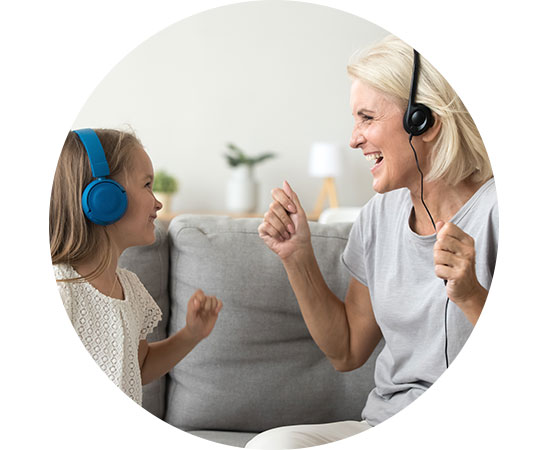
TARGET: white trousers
(301,436)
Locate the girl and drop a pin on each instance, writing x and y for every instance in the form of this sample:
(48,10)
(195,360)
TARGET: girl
(110,309)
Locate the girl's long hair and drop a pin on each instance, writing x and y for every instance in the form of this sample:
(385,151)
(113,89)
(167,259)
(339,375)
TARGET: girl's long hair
(73,237)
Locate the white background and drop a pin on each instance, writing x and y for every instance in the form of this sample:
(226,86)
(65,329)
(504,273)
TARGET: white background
(55,53)
(268,76)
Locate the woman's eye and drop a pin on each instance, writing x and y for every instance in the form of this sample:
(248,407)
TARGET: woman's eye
(364,119)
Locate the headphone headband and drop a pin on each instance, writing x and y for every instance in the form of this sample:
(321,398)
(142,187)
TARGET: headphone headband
(104,201)
(414,79)
(418,117)
(96,154)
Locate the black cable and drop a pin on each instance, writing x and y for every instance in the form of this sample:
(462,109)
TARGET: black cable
(446,355)
(435,231)
(422,182)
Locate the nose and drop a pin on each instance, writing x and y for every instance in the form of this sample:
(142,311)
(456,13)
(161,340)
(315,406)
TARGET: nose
(357,138)
(158,205)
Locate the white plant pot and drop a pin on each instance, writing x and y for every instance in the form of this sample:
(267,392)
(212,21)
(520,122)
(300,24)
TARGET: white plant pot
(241,193)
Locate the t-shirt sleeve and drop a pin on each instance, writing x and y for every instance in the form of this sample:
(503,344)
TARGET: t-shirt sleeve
(353,256)
(66,297)
(486,241)
(152,314)
(65,290)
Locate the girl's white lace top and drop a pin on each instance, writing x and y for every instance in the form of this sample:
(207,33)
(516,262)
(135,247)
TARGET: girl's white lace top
(110,328)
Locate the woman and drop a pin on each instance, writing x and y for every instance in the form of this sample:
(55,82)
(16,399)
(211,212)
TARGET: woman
(421,289)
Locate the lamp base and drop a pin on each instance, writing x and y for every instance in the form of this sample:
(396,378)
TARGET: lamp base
(329,191)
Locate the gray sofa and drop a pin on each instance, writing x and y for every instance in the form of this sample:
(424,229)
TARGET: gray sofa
(259,368)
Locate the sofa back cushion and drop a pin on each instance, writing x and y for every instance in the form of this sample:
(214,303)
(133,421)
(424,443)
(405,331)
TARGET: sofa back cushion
(259,368)
(151,264)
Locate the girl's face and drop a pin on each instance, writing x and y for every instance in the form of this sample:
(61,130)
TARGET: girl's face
(379,133)
(136,227)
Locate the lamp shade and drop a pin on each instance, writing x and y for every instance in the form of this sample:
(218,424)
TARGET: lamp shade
(325,160)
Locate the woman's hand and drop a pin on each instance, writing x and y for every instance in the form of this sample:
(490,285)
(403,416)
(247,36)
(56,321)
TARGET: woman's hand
(285,227)
(455,261)
(202,313)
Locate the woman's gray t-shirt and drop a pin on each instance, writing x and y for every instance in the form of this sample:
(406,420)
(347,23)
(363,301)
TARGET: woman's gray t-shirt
(408,299)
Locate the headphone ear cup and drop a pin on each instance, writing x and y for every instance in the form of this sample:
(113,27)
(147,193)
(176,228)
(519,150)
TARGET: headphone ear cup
(104,201)
(417,119)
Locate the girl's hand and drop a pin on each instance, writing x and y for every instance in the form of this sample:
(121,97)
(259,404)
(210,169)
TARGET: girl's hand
(285,227)
(455,261)
(202,313)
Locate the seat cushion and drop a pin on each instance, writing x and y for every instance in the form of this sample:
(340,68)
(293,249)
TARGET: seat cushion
(259,368)
(234,438)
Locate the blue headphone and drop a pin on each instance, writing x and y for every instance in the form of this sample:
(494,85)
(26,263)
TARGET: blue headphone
(104,201)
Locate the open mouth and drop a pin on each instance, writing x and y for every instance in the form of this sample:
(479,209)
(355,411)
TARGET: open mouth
(376,157)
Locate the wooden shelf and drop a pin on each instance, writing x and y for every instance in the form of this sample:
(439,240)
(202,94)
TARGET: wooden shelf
(170,216)
(166,218)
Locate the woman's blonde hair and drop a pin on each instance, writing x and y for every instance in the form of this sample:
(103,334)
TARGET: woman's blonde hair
(458,152)
(74,238)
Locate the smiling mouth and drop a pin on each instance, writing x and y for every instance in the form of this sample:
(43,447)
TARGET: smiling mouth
(376,157)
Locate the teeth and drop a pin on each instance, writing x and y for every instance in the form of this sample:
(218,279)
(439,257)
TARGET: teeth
(373,156)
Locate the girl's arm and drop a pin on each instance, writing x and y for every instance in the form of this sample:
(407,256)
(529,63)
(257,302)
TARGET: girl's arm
(158,358)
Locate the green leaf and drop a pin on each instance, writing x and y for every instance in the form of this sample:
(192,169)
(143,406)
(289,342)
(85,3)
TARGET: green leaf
(239,157)
(165,183)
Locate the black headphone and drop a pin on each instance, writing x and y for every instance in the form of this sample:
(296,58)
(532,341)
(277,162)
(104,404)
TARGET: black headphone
(416,120)
(418,117)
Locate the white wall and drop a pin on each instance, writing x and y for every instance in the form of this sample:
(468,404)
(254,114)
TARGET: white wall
(268,76)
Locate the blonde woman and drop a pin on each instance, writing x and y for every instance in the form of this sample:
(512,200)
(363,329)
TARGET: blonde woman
(108,306)
(421,254)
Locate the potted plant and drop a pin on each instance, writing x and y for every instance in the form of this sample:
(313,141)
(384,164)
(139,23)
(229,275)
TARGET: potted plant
(242,186)
(164,187)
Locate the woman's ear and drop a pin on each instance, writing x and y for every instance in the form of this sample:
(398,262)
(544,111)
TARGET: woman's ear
(432,133)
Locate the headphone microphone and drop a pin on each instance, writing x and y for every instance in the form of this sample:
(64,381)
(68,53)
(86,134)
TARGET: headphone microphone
(104,201)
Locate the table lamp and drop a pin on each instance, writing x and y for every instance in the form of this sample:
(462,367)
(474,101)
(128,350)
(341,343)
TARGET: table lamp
(325,162)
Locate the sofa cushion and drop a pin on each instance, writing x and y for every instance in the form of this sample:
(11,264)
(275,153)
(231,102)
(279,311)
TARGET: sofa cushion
(151,264)
(259,368)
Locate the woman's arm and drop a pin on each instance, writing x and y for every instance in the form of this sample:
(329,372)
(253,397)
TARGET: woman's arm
(455,261)
(158,358)
(346,332)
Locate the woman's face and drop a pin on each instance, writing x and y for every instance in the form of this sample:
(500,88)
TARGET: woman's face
(136,227)
(379,133)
